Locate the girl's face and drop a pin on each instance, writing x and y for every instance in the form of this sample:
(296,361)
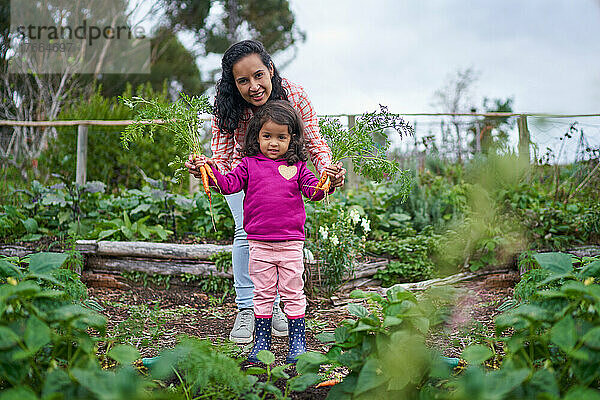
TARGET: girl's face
(274,140)
(253,79)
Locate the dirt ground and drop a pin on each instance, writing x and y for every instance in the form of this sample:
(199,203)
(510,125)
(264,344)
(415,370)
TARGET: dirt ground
(151,318)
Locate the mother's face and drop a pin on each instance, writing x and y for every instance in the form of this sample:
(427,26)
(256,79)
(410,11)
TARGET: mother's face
(253,79)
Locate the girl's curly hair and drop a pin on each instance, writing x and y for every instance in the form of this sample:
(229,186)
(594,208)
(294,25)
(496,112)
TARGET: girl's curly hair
(229,103)
(281,112)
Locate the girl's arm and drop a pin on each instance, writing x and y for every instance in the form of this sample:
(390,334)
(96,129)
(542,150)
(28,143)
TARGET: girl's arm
(307,181)
(233,182)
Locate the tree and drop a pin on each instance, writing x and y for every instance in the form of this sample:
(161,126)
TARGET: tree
(491,134)
(455,97)
(35,84)
(170,62)
(218,24)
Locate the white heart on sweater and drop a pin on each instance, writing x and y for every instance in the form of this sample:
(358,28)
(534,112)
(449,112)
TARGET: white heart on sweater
(287,171)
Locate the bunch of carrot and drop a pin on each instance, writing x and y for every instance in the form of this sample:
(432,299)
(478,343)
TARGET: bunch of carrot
(323,184)
(206,172)
(181,120)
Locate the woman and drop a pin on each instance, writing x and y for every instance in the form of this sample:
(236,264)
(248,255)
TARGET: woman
(248,80)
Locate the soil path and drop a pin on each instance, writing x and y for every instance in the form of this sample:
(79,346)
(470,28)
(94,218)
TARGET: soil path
(152,318)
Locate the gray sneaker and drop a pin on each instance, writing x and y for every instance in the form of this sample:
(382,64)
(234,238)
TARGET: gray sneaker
(280,322)
(243,327)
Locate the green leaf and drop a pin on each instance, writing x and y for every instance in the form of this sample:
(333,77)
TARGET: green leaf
(126,220)
(556,263)
(124,354)
(357,294)
(43,263)
(421,323)
(301,382)
(141,208)
(30,237)
(357,310)
(592,269)
(127,232)
(8,338)
(37,334)
(392,321)
(362,326)
(279,372)
(256,371)
(7,269)
(580,393)
(371,376)
(556,277)
(341,334)
(563,334)
(325,337)
(398,293)
(544,381)
(56,382)
(476,354)
(266,356)
(18,393)
(107,233)
(310,362)
(144,231)
(30,225)
(592,338)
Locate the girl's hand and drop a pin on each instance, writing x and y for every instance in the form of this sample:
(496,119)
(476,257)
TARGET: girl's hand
(336,174)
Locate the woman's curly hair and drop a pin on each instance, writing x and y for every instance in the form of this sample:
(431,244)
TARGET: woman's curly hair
(283,113)
(229,103)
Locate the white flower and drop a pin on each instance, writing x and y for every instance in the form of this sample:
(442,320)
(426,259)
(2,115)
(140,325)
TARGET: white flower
(365,225)
(324,232)
(354,216)
(334,240)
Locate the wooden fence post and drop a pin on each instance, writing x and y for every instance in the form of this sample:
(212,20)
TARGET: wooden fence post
(82,142)
(524,138)
(352,179)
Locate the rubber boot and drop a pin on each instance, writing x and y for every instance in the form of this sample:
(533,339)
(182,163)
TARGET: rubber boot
(297,339)
(262,337)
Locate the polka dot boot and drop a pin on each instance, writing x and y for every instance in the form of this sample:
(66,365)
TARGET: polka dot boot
(297,339)
(262,337)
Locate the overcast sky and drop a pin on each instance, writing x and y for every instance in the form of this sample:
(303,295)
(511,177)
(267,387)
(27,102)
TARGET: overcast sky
(357,54)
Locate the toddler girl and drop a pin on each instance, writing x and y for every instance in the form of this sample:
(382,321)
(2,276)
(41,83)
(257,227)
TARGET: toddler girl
(274,176)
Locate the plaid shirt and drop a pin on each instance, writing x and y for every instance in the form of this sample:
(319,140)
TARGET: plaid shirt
(226,149)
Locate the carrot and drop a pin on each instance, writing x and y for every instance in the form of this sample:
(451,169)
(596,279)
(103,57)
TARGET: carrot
(330,382)
(211,174)
(205,184)
(204,174)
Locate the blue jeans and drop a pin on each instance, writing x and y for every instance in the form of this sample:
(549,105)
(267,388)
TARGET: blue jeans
(240,254)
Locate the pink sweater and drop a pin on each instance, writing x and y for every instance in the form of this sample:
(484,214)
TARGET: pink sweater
(273,206)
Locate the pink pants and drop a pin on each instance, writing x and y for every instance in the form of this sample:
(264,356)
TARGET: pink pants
(277,266)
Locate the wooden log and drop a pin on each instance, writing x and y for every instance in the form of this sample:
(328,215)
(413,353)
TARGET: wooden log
(152,266)
(102,280)
(369,269)
(13,250)
(448,280)
(359,283)
(86,246)
(160,250)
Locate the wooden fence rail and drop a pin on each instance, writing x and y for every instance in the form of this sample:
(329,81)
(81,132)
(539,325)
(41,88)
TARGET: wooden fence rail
(82,130)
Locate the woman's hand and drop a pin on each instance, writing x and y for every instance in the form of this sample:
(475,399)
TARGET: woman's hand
(336,174)
(194,163)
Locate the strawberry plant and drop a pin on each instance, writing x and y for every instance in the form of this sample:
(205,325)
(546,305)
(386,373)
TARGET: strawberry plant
(384,347)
